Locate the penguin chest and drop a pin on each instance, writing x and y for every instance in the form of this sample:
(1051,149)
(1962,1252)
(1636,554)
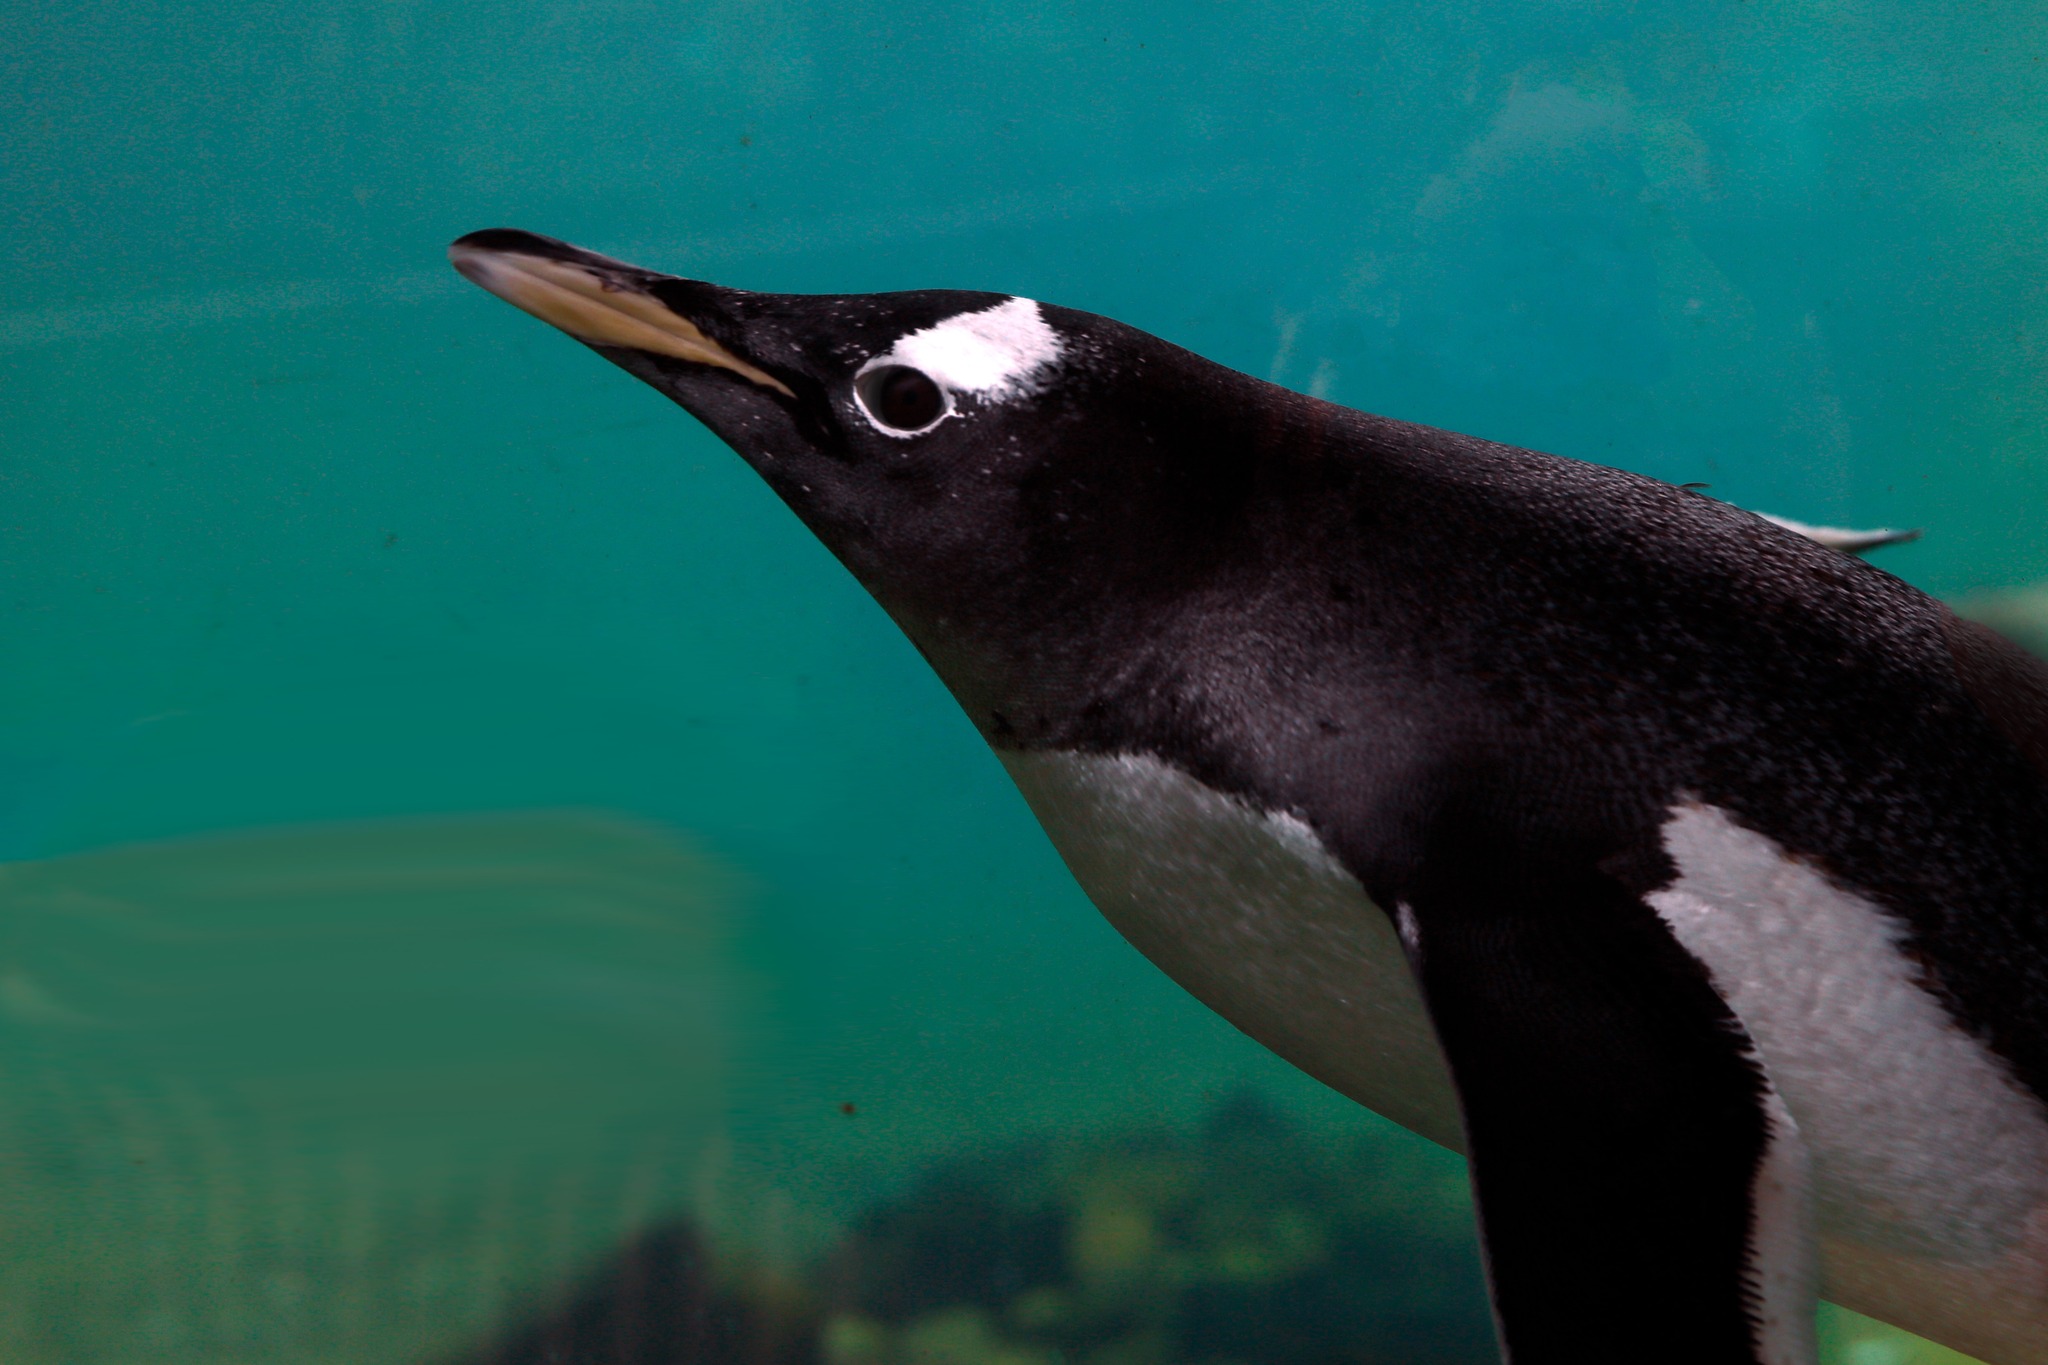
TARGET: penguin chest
(1249,912)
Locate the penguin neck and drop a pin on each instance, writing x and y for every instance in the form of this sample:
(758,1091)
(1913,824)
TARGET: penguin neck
(1018,696)
(1231,570)
(1228,596)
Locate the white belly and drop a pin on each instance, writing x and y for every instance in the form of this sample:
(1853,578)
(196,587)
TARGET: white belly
(1252,915)
(1930,1165)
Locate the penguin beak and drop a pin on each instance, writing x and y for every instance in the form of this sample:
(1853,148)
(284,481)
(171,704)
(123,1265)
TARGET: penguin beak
(595,299)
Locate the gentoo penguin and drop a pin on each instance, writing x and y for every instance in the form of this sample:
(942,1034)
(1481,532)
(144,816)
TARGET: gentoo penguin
(1688,875)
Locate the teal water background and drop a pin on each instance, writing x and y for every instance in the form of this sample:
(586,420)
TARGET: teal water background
(295,527)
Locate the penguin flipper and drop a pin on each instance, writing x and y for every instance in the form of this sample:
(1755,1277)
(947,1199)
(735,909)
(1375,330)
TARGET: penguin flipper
(1641,1191)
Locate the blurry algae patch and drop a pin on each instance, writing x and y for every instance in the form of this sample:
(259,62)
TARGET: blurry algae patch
(1250,1241)
(1245,1240)
(341,1093)
(664,1299)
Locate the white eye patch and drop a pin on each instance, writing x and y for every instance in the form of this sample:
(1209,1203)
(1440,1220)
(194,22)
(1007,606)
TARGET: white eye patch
(994,354)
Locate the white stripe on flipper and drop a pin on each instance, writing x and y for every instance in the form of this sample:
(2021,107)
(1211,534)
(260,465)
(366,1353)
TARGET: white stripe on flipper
(1920,1139)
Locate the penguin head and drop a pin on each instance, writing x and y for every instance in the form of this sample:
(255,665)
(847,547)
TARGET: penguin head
(971,457)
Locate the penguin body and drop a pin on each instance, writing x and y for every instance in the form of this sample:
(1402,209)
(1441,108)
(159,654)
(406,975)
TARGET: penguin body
(1690,875)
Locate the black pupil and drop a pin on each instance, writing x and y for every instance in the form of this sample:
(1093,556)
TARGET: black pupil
(901,397)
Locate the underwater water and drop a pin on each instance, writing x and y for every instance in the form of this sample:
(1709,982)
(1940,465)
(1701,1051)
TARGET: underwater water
(473,853)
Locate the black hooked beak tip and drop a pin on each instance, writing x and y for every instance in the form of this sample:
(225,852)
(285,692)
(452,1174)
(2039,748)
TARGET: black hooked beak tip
(597,300)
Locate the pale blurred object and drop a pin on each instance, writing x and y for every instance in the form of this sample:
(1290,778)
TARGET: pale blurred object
(2019,614)
(345,1092)
(1845,539)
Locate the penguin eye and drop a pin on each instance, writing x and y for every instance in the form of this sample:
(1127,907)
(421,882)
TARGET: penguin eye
(901,398)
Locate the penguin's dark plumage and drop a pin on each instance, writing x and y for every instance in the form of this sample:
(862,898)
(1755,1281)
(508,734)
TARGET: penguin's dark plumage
(1689,874)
